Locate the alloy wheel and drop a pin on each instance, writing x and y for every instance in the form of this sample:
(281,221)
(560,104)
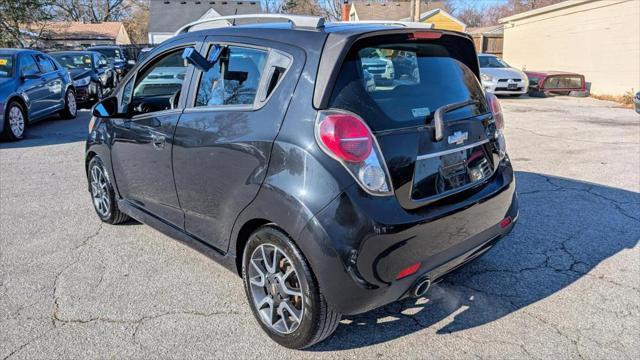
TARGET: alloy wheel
(100,191)
(16,121)
(71,103)
(275,289)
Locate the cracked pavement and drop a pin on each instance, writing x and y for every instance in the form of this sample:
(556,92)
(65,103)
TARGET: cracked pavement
(564,284)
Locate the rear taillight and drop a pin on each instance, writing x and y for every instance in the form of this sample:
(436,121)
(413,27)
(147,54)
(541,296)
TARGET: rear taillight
(345,137)
(496,109)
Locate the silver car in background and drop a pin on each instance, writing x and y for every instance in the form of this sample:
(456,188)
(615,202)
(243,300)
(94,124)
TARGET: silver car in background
(500,78)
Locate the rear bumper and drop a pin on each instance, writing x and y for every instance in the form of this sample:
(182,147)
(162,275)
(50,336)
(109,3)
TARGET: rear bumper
(357,256)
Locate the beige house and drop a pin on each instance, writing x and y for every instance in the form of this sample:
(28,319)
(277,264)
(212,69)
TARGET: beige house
(72,34)
(597,38)
(401,10)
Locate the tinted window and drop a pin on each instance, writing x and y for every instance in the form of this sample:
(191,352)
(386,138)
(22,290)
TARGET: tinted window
(234,79)
(74,61)
(111,53)
(492,62)
(46,65)
(401,84)
(6,66)
(28,65)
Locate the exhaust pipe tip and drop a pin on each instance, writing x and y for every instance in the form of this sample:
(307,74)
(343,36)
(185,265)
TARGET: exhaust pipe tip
(422,287)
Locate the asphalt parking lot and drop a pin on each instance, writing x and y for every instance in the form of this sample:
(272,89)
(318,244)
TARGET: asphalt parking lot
(564,284)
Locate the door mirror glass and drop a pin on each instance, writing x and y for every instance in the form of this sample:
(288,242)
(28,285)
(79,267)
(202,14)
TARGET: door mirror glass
(107,108)
(30,75)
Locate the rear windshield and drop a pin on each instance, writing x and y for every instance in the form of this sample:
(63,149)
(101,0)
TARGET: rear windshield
(111,54)
(401,84)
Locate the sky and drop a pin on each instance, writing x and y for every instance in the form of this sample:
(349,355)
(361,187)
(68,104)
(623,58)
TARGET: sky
(478,4)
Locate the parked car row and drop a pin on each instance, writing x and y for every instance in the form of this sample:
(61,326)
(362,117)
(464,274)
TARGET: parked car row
(500,78)
(35,85)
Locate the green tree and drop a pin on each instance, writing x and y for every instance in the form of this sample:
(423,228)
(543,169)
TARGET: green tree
(23,21)
(302,7)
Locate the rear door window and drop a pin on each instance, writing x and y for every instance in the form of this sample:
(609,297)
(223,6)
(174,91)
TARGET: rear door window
(45,64)
(28,65)
(234,79)
(401,84)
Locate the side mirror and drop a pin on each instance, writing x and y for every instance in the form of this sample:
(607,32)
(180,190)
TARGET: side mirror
(194,58)
(106,108)
(30,76)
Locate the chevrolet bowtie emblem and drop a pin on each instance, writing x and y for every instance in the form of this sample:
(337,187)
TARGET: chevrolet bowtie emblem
(458,137)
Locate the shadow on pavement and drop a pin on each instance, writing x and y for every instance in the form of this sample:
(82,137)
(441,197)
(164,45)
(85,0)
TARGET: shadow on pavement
(566,228)
(53,131)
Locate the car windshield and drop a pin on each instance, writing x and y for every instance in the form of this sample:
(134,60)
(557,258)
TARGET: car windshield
(111,54)
(492,62)
(74,61)
(6,66)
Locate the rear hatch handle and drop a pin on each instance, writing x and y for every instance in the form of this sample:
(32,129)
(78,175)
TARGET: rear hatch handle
(438,116)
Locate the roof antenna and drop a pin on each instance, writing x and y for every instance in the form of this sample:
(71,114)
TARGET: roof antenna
(234,20)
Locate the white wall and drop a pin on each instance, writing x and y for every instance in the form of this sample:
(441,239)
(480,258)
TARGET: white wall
(599,39)
(157,38)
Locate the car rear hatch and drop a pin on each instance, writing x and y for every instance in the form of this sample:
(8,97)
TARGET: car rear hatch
(427,112)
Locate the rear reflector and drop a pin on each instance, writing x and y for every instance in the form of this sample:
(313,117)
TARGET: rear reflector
(408,271)
(505,222)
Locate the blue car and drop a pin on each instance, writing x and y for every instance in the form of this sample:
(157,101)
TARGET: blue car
(33,86)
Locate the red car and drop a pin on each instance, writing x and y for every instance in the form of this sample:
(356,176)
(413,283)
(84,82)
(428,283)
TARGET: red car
(542,83)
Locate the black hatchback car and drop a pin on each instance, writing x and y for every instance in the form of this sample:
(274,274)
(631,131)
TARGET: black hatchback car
(90,71)
(272,148)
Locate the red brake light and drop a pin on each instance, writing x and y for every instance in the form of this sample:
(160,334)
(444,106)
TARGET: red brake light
(346,137)
(496,109)
(410,270)
(505,222)
(425,35)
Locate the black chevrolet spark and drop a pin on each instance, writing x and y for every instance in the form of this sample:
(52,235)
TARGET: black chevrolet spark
(335,167)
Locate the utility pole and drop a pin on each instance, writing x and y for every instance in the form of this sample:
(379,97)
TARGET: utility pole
(415,10)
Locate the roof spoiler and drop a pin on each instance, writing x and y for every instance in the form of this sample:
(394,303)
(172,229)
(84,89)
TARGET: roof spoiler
(408,24)
(298,21)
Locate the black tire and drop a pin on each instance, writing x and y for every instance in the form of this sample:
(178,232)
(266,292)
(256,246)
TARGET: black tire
(70,110)
(112,214)
(7,132)
(319,320)
(99,92)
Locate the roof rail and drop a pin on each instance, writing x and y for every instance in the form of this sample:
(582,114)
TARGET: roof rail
(300,21)
(409,24)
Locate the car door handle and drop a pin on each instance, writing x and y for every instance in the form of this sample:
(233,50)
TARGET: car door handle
(158,141)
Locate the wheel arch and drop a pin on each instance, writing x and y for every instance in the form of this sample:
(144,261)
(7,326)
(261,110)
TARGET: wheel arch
(243,237)
(17,98)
